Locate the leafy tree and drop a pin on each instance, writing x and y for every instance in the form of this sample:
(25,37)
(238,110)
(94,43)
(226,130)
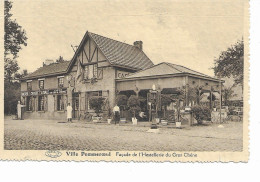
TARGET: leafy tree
(134,104)
(14,38)
(227,94)
(11,68)
(11,97)
(121,101)
(231,63)
(97,103)
(15,35)
(166,100)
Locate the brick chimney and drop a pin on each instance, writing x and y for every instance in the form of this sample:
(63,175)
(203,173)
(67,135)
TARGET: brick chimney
(139,44)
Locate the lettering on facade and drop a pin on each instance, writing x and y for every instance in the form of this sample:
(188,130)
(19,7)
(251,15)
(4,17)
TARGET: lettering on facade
(121,74)
(45,92)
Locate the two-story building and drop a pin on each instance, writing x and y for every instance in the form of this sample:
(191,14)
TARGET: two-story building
(101,67)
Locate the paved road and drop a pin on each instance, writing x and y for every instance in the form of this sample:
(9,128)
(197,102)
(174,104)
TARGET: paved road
(55,135)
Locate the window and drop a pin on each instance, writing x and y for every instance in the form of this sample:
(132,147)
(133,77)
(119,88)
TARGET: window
(60,103)
(60,81)
(41,84)
(95,70)
(29,103)
(86,72)
(193,82)
(91,71)
(206,83)
(29,85)
(41,103)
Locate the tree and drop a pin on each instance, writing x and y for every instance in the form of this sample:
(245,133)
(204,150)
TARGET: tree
(134,104)
(14,38)
(15,35)
(231,63)
(11,68)
(227,94)
(166,100)
(97,103)
(121,101)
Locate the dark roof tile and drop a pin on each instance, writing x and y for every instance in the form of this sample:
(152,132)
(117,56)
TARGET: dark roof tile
(122,54)
(51,69)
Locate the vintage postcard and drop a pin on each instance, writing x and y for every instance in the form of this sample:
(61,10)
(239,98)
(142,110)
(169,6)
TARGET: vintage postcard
(130,80)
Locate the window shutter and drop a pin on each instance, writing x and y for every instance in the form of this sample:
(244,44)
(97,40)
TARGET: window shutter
(82,101)
(65,102)
(36,103)
(55,102)
(46,102)
(25,103)
(33,103)
(100,73)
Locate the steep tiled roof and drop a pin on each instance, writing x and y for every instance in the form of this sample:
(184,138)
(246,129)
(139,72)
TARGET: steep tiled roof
(166,69)
(51,69)
(122,54)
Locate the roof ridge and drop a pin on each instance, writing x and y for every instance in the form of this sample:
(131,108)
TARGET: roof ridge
(189,69)
(170,64)
(113,39)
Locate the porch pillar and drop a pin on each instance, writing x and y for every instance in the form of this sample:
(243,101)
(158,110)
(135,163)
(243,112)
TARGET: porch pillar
(186,91)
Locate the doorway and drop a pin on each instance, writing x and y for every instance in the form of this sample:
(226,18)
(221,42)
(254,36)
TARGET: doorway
(75,105)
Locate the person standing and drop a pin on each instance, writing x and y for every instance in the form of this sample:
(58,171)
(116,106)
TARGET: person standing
(69,113)
(19,110)
(116,111)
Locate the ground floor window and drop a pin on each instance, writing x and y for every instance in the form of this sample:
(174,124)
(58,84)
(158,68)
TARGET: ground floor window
(29,103)
(41,103)
(60,102)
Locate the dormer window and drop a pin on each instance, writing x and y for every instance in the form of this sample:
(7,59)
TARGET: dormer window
(41,84)
(60,81)
(29,85)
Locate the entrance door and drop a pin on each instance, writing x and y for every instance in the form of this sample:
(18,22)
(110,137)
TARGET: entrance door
(75,105)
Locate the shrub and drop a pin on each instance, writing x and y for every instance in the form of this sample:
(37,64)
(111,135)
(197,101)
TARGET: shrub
(96,103)
(166,100)
(134,104)
(201,113)
(121,101)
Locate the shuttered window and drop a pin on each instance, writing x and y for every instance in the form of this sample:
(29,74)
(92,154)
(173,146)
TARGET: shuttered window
(60,102)
(41,103)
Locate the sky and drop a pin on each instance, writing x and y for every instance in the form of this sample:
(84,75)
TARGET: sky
(189,32)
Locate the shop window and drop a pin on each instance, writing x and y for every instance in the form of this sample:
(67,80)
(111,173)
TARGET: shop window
(60,81)
(41,103)
(29,103)
(29,85)
(60,102)
(41,84)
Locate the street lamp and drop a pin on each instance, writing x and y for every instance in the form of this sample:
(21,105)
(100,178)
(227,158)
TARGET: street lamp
(153,101)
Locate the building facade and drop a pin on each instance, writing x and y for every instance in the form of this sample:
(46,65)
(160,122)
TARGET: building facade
(102,67)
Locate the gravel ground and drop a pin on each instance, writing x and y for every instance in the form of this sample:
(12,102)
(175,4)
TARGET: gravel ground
(58,135)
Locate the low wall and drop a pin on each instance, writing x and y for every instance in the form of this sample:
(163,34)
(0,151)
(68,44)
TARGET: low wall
(60,115)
